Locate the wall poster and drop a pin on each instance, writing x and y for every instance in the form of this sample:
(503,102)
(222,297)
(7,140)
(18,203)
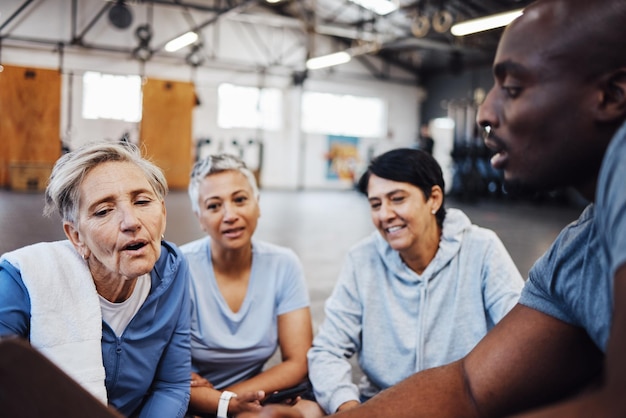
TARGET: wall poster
(343,157)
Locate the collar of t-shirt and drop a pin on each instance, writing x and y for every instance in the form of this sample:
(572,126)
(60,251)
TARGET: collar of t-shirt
(119,315)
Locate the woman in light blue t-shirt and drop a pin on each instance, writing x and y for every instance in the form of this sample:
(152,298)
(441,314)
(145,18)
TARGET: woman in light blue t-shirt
(248,297)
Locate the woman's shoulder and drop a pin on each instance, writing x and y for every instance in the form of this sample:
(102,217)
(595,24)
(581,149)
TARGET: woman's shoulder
(39,248)
(194,247)
(369,249)
(460,222)
(265,248)
(55,255)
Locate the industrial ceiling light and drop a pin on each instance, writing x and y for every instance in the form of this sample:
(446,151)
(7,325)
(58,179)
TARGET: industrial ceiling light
(181,42)
(381,7)
(485,23)
(120,15)
(341,57)
(328,60)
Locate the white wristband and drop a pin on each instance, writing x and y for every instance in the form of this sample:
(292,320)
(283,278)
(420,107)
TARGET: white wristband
(222,406)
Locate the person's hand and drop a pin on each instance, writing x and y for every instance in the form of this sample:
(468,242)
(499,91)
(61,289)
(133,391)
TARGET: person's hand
(273,411)
(348,405)
(246,402)
(197,381)
(286,401)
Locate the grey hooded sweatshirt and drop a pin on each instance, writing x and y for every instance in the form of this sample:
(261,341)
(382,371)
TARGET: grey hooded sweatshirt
(399,322)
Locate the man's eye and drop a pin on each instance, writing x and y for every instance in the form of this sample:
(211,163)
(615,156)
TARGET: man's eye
(374,205)
(512,91)
(397,199)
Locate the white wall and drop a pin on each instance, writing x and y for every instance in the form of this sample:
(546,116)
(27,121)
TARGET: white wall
(291,159)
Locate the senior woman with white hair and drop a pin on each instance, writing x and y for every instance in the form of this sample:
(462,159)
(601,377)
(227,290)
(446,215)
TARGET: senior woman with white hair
(248,296)
(109,305)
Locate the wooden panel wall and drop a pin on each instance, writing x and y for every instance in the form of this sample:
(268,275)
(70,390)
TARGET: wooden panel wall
(166,128)
(30,118)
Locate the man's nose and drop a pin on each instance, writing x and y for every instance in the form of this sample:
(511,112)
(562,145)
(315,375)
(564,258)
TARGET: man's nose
(486,117)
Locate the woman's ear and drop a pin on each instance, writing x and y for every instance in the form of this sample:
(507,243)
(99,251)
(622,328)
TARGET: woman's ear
(436,198)
(613,97)
(74,237)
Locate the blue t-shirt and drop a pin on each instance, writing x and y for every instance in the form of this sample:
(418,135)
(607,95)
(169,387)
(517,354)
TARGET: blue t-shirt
(611,201)
(229,347)
(571,280)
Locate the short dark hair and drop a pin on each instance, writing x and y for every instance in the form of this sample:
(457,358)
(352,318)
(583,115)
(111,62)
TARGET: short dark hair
(407,165)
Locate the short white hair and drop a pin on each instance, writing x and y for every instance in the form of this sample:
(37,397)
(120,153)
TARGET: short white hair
(217,163)
(63,190)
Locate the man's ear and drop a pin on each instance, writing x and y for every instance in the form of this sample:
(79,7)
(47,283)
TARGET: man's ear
(613,96)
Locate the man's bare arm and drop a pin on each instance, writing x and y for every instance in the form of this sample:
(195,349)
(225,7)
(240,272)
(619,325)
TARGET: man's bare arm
(527,360)
(610,399)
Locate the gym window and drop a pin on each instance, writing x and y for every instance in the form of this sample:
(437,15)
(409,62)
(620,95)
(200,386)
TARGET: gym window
(332,114)
(249,107)
(107,96)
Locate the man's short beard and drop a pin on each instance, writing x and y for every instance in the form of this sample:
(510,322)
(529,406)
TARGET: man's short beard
(521,190)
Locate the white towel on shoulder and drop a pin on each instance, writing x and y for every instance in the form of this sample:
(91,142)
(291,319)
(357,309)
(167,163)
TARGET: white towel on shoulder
(66,321)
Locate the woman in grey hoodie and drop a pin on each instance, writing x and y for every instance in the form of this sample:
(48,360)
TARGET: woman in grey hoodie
(418,293)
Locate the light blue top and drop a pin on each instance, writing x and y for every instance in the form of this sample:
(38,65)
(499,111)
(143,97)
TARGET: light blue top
(229,347)
(400,322)
(611,201)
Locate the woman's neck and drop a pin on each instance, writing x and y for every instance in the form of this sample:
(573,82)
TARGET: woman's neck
(231,269)
(418,259)
(116,289)
(231,262)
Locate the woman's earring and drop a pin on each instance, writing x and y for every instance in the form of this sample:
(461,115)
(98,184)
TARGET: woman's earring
(433,211)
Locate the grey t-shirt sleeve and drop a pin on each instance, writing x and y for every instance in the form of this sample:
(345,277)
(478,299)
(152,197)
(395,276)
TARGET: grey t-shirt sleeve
(559,277)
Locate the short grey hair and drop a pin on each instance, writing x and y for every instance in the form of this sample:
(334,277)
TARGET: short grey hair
(63,190)
(213,164)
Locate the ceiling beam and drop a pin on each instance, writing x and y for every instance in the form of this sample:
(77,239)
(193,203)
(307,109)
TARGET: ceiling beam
(78,40)
(15,14)
(219,14)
